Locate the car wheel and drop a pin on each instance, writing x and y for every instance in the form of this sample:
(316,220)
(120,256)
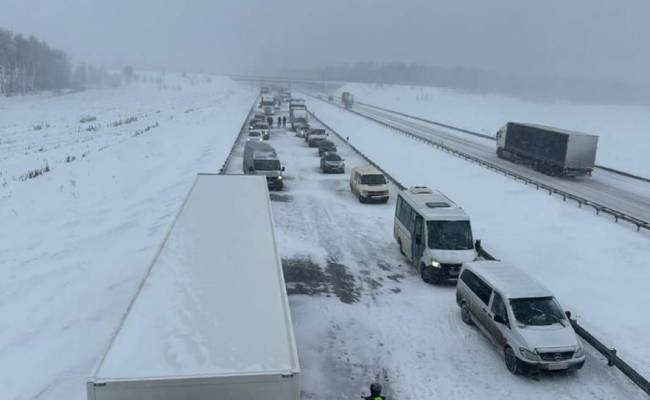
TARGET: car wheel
(512,363)
(425,273)
(399,243)
(465,314)
(361,199)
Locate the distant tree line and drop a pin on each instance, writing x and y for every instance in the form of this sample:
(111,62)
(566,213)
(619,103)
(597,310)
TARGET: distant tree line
(478,80)
(28,65)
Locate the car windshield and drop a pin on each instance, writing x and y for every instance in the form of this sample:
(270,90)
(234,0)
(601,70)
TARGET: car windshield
(267,165)
(537,311)
(373,180)
(326,145)
(450,235)
(332,157)
(254,133)
(261,126)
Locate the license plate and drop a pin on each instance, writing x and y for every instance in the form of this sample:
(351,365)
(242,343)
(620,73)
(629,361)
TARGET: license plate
(558,366)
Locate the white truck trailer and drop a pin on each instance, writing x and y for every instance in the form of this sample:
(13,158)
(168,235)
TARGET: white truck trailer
(211,319)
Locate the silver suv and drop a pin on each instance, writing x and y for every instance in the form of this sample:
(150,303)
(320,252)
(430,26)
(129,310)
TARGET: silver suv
(520,316)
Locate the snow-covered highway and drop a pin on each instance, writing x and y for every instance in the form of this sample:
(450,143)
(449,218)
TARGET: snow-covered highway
(360,313)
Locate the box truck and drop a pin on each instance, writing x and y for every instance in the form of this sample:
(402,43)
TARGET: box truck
(552,151)
(211,319)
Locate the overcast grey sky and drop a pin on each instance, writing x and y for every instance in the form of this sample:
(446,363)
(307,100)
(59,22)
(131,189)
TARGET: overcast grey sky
(577,38)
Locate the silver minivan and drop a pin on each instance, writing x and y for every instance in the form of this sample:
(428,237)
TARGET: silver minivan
(520,316)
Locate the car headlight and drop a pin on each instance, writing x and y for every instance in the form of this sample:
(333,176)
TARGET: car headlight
(280,177)
(435,264)
(531,355)
(579,353)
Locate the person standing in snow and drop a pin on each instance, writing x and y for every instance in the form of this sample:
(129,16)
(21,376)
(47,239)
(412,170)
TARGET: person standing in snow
(279,121)
(375,392)
(270,121)
(284,122)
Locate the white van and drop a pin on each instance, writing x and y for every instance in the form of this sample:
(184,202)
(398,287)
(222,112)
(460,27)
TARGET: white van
(520,316)
(369,184)
(433,233)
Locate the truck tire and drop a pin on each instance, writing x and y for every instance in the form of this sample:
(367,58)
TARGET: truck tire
(425,273)
(500,152)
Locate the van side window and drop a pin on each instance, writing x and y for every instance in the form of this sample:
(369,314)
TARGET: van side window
(476,285)
(498,307)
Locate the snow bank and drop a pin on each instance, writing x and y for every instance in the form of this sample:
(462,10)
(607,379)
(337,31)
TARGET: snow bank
(598,269)
(624,130)
(77,239)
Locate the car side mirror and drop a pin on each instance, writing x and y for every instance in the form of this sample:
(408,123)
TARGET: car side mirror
(251,169)
(282,169)
(568,314)
(498,318)
(477,244)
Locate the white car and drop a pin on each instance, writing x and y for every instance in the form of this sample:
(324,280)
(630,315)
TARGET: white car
(520,316)
(255,136)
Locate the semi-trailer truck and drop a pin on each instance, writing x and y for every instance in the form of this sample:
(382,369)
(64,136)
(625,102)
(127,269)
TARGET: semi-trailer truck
(211,319)
(347,99)
(552,151)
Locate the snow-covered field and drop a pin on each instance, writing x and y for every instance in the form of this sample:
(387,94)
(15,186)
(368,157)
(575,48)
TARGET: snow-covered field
(624,130)
(76,240)
(597,269)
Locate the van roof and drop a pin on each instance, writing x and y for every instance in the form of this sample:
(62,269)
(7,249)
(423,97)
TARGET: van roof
(433,204)
(510,281)
(367,170)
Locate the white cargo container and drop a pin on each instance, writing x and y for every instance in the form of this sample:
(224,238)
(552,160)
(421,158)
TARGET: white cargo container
(211,319)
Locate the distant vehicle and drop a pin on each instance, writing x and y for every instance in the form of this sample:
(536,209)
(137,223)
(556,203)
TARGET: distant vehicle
(266,100)
(330,98)
(220,246)
(326,146)
(295,102)
(261,159)
(268,110)
(264,128)
(258,117)
(315,131)
(369,184)
(551,151)
(315,136)
(301,130)
(347,99)
(520,316)
(265,90)
(433,233)
(332,162)
(255,136)
(298,116)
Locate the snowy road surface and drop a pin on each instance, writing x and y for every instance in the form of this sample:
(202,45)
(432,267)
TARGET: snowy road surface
(362,314)
(76,241)
(597,268)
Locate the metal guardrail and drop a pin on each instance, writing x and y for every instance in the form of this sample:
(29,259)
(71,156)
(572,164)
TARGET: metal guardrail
(581,201)
(242,130)
(610,354)
(484,136)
